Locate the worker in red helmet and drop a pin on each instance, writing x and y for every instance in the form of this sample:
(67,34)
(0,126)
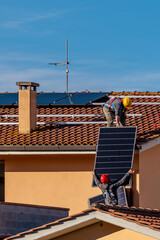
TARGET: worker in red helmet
(108,188)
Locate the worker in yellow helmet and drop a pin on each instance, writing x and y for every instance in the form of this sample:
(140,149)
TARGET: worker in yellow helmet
(116,108)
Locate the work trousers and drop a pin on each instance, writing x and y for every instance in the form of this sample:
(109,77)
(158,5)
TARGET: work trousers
(110,116)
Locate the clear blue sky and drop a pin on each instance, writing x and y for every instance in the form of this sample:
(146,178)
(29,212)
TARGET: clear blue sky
(113,45)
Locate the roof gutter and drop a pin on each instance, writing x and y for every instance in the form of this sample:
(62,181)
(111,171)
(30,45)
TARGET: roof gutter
(43,149)
(150,144)
(47,153)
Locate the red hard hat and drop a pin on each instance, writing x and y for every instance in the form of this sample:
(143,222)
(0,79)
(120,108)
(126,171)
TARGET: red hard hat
(104,178)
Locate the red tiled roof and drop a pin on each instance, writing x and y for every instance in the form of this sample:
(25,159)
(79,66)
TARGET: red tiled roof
(148,125)
(145,217)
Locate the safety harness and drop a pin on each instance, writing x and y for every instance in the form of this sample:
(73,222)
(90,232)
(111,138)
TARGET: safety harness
(109,105)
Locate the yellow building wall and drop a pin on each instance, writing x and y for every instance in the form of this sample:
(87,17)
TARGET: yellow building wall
(54,180)
(57,180)
(104,231)
(149,168)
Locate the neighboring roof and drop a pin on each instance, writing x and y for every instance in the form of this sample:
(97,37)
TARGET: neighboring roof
(21,217)
(56,135)
(144,221)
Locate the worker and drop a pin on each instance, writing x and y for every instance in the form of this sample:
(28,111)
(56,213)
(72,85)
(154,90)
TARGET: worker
(116,108)
(108,188)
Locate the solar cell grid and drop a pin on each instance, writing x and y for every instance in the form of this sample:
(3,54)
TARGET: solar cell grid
(108,165)
(122,198)
(111,153)
(115,150)
(117,130)
(116,141)
(114,159)
(115,147)
(116,135)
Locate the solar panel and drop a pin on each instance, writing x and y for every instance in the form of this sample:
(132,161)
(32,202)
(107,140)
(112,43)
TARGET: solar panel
(121,194)
(8,98)
(81,98)
(122,198)
(115,150)
(50,98)
(96,199)
(55,98)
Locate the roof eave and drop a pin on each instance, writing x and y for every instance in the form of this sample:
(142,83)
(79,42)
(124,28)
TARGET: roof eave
(47,148)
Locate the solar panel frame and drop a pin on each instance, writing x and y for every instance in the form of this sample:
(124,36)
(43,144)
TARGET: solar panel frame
(115,157)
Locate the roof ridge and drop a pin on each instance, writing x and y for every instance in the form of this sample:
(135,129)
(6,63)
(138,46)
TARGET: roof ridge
(104,207)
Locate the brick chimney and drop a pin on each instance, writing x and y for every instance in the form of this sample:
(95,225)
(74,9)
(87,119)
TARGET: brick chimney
(27,106)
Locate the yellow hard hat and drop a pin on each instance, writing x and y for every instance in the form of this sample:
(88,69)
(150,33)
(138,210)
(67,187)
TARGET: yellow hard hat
(127,102)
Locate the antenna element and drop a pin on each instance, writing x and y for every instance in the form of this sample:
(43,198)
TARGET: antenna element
(64,63)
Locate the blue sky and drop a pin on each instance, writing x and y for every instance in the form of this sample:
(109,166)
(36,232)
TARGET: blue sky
(113,45)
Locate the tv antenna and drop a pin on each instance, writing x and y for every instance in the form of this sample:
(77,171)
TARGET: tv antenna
(64,63)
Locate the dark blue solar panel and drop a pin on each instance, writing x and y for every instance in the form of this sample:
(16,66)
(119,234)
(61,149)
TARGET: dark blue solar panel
(8,98)
(122,198)
(54,98)
(121,194)
(96,199)
(50,98)
(115,150)
(81,98)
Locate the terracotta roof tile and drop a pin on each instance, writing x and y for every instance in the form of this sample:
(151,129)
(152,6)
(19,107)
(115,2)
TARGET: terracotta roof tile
(148,125)
(145,217)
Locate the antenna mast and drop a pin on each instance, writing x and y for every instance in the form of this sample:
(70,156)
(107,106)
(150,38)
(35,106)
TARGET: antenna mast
(64,63)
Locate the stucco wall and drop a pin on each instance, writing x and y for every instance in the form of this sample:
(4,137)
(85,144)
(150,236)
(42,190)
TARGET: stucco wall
(104,231)
(52,180)
(61,181)
(149,168)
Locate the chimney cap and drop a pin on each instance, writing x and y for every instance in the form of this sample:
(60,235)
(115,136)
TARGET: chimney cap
(33,84)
